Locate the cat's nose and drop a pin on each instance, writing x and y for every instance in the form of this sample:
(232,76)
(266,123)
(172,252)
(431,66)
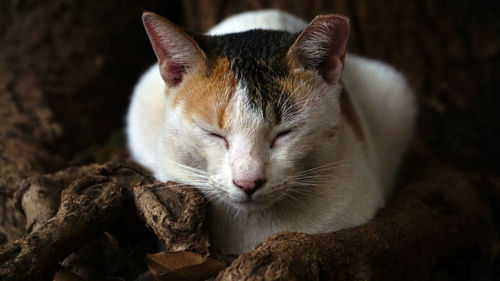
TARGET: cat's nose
(249,185)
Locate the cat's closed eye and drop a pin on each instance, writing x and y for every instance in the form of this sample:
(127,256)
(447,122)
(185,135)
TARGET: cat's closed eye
(218,137)
(279,136)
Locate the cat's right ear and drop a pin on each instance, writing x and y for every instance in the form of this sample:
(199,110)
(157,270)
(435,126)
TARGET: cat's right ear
(176,51)
(322,46)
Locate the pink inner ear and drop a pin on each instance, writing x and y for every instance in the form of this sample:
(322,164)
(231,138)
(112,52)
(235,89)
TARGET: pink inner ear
(175,50)
(172,73)
(332,69)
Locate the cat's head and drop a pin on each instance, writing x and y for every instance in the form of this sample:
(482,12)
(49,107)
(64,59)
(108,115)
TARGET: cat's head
(251,117)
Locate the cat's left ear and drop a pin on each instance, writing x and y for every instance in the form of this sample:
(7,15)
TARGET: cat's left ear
(322,46)
(177,52)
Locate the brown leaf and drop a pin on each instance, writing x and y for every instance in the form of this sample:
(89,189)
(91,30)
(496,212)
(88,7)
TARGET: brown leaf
(66,275)
(182,266)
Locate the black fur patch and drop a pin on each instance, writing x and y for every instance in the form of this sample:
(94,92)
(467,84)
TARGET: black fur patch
(257,57)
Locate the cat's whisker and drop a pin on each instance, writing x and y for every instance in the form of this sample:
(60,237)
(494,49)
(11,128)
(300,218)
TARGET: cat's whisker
(327,165)
(193,176)
(315,181)
(313,176)
(287,197)
(305,184)
(300,191)
(293,196)
(201,172)
(322,168)
(236,214)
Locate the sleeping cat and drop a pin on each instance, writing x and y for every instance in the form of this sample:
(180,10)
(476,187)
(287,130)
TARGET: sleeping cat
(273,122)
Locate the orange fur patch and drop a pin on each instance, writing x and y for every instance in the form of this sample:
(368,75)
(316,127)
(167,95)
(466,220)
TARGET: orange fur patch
(298,83)
(209,96)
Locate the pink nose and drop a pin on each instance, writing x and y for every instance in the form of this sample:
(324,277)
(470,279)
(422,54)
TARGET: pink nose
(249,185)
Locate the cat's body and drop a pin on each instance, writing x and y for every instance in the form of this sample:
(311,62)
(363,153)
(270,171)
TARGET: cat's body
(270,136)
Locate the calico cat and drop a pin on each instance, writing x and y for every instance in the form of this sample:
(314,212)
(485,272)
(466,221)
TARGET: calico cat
(273,122)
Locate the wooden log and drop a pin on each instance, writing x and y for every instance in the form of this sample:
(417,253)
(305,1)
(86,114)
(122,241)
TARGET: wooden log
(87,207)
(176,214)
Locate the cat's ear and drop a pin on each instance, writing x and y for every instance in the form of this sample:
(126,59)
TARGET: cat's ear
(322,46)
(176,51)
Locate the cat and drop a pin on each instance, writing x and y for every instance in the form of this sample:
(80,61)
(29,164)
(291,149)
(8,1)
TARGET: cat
(268,117)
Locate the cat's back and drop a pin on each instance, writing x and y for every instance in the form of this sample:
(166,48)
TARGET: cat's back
(144,116)
(388,108)
(263,19)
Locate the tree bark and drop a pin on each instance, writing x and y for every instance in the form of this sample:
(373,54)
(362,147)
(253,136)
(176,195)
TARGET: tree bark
(88,206)
(180,223)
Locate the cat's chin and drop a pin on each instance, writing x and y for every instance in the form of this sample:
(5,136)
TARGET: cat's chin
(250,205)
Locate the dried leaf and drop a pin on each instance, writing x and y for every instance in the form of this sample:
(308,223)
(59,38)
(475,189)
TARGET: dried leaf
(182,266)
(66,275)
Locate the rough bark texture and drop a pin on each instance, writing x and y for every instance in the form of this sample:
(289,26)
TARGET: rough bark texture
(88,205)
(179,223)
(67,68)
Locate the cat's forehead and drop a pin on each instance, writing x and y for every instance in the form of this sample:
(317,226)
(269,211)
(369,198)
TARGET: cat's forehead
(258,59)
(245,74)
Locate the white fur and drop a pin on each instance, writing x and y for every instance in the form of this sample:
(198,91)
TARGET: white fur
(347,191)
(264,19)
